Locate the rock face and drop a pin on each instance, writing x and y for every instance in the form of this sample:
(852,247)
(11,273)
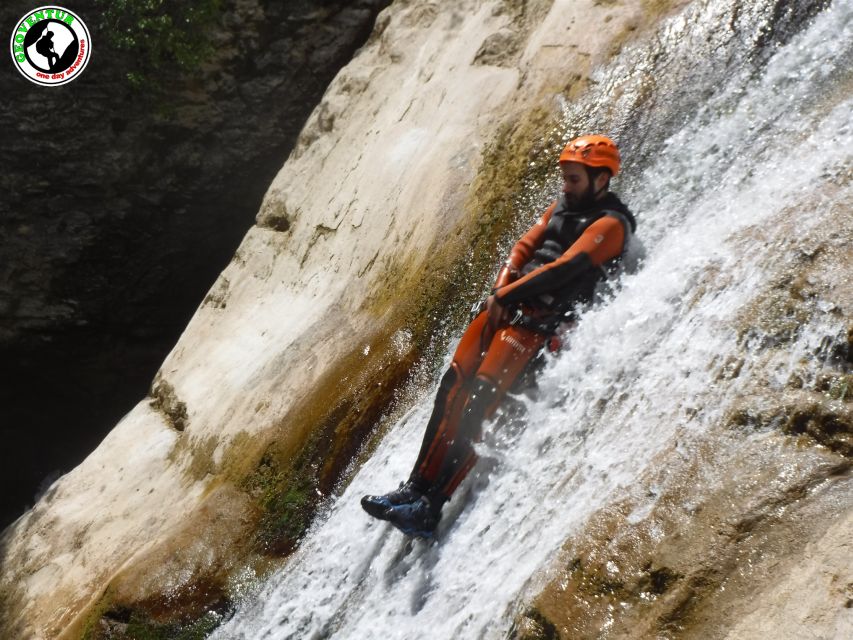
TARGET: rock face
(115,222)
(295,353)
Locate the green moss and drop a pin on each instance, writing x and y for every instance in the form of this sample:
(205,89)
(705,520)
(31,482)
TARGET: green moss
(836,386)
(161,38)
(154,620)
(125,623)
(91,627)
(287,495)
(141,628)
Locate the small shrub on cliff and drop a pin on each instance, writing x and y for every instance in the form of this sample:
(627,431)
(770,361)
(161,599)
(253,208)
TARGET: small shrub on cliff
(160,37)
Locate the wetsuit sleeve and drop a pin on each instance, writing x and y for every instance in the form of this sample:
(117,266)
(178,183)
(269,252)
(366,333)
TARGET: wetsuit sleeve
(603,240)
(524,248)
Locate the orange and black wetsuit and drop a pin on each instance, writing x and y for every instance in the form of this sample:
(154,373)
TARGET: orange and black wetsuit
(553,267)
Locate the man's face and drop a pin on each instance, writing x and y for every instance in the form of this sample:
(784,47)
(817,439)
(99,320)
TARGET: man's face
(575,183)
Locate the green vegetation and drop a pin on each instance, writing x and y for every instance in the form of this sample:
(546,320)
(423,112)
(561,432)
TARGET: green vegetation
(836,386)
(91,627)
(133,625)
(161,38)
(141,628)
(288,496)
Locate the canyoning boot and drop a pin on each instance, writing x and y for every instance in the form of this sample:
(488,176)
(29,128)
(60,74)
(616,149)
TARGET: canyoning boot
(378,506)
(419,518)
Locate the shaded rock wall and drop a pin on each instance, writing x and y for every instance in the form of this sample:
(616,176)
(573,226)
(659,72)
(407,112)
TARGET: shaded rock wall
(121,207)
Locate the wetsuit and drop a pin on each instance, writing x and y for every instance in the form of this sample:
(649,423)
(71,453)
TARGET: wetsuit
(553,267)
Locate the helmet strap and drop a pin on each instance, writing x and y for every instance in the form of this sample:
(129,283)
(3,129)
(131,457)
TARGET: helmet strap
(592,194)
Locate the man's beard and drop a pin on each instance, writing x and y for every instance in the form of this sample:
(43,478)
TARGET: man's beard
(580,203)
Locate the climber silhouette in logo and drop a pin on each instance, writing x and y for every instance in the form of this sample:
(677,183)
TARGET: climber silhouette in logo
(45,47)
(51,46)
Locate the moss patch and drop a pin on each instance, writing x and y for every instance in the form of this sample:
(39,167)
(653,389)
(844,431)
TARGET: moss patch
(288,496)
(90,625)
(134,624)
(165,400)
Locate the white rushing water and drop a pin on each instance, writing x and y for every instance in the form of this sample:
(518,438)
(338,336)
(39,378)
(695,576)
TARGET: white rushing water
(640,367)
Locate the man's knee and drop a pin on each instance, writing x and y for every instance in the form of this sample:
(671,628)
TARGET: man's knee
(449,379)
(484,393)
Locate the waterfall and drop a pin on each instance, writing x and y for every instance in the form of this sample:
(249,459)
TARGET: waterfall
(728,127)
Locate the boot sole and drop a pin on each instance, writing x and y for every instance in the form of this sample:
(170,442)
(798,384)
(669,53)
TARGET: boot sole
(414,533)
(377,509)
(381,512)
(391,515)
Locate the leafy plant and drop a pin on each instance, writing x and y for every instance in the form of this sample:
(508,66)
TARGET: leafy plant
(159,37)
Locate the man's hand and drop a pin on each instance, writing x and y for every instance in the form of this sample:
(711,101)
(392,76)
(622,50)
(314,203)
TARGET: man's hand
(507,274)
(498,314)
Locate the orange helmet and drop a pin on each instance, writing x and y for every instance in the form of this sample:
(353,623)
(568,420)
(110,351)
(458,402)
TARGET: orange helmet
(593,151)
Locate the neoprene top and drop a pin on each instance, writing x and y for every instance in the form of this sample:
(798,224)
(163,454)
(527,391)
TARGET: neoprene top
(562,257)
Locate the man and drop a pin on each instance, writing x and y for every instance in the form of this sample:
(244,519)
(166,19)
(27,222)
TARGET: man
(553,267)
